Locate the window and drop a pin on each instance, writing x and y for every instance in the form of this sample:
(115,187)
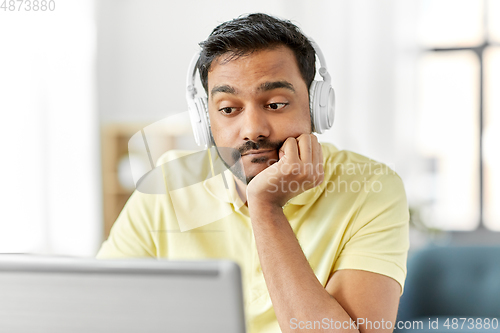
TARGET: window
(492,139)
(458,113)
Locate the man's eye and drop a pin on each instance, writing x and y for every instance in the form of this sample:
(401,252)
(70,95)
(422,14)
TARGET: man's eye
(226,110)
(276,106)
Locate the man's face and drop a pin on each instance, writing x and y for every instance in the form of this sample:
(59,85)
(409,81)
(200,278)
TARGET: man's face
(255,103)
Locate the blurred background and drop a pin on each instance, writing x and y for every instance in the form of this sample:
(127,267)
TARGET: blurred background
(415,83)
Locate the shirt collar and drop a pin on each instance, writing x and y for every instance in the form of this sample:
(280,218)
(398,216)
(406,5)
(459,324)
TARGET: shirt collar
(216,186)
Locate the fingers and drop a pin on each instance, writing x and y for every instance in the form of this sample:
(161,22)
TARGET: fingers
(317,161)
(305,148)
(289,151)
(303,156)
(317,152)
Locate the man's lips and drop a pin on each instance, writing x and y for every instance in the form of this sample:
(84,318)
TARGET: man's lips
(258,152)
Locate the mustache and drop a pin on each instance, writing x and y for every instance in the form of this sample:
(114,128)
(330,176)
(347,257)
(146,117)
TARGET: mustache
(254,145)
(260,144)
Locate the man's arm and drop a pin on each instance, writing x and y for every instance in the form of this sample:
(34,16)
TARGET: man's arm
(131,234)
(366,296)
(297,295)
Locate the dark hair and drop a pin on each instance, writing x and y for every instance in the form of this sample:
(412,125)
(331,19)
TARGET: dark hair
(254,32)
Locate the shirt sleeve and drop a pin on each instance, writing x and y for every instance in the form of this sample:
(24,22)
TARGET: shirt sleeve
(132,233)
(379,239)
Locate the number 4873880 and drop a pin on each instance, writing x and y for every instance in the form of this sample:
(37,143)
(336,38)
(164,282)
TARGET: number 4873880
(28,5)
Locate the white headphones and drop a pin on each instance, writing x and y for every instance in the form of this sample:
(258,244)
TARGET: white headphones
(321,97)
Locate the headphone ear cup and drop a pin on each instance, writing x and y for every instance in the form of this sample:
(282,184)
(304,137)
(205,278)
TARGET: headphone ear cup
(204,125)
(322,105)
(198,113)
(314,104)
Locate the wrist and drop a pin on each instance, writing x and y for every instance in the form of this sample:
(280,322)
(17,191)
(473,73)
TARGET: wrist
(262,205)
(267,199)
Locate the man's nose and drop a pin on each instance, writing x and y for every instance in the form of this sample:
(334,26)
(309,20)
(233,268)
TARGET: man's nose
(255,124)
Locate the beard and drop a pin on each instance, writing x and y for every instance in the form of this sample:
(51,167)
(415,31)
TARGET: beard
(231,157)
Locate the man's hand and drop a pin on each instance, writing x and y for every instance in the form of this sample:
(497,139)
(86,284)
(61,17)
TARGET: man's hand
(300,168)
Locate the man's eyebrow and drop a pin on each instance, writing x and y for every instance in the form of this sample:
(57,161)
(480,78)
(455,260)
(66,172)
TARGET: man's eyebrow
(267,86)
(223,89)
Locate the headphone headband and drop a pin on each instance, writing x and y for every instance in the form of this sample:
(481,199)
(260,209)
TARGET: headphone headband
(323,70)
(191,90)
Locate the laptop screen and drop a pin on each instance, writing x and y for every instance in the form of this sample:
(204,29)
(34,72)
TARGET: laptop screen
(128,295)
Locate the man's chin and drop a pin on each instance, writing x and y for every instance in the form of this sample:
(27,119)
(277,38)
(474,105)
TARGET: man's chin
(249,179)
(250,176)
(255,169)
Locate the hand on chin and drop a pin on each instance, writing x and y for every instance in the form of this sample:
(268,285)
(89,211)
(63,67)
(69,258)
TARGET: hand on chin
(300,168)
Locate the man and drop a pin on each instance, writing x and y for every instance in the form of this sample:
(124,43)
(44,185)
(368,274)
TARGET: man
(323,236)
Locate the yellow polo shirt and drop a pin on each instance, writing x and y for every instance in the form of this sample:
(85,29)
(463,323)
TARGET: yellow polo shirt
(356,219)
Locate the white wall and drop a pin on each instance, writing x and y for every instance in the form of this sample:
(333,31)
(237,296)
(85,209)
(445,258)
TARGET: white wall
(50,197)
(144,49)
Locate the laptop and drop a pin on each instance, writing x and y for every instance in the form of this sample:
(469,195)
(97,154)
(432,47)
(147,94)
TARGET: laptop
(61,295)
